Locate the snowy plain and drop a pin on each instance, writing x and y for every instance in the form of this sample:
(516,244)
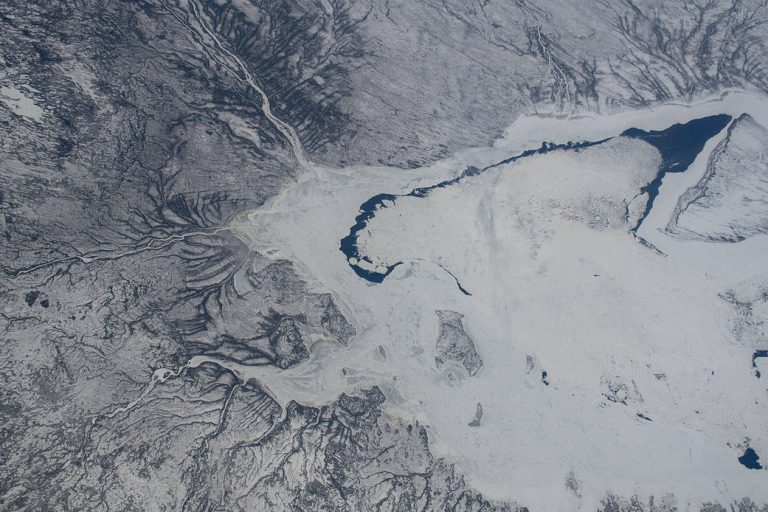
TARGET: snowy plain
(649,391)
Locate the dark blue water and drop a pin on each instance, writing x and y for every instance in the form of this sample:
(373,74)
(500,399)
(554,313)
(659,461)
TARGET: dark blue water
(750,460)
(348,244)
(458,283)
(546,147)
(679,145)
(755,356)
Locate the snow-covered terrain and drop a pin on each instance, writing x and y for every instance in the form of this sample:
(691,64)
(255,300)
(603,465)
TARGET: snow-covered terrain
(386,256)
(729,203)
(608,365)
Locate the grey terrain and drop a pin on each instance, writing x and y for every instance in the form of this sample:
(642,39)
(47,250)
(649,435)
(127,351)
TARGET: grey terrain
(478,416)
(131,141)
(454,344)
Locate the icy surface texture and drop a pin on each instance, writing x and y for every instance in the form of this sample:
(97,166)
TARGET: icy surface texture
(180,331)
(730,203)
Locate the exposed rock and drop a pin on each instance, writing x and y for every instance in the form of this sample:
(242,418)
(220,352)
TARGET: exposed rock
(137,135)
(454,345)
(478,416)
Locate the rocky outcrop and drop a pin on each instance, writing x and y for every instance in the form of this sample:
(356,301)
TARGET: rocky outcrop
(454,345)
